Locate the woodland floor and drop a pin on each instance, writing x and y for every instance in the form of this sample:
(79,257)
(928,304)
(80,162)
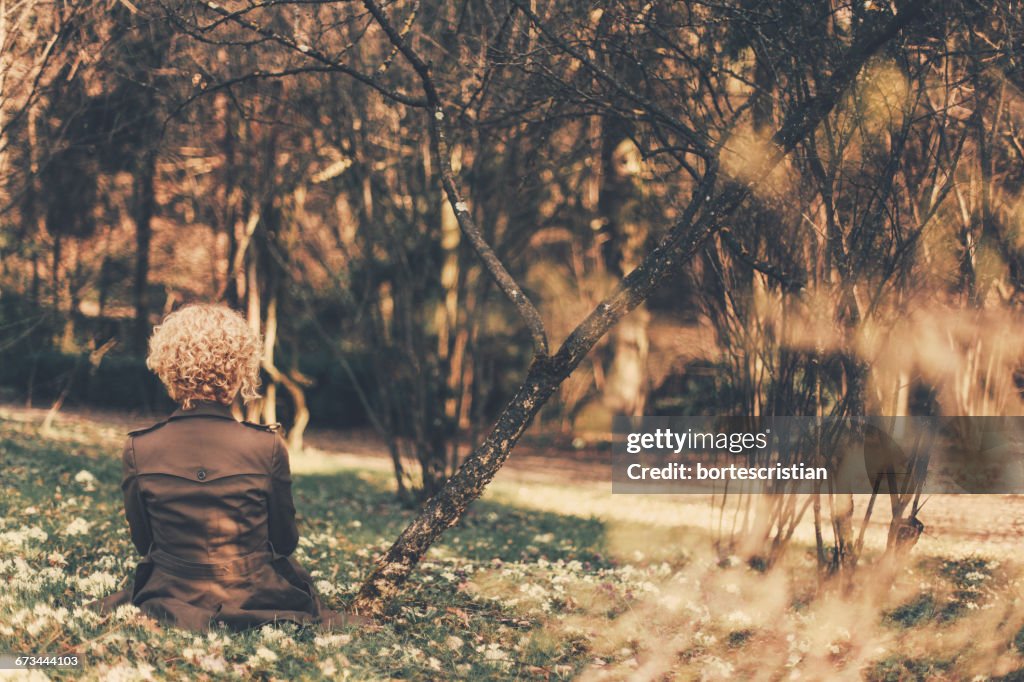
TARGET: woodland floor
(550,576)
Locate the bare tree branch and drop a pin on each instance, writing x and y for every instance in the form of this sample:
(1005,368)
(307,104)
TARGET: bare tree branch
(442,155)
(789,282)
(312,53)
(700,147)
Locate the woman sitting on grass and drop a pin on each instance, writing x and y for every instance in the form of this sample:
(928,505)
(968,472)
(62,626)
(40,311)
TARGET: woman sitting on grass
(208,498)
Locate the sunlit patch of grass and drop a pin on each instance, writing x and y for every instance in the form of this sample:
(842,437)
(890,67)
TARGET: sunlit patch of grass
(972,579)
(65,543)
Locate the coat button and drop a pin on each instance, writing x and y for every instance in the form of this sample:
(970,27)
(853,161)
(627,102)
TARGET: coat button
(201,474)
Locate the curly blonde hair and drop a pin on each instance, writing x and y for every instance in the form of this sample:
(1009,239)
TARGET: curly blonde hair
(206,352)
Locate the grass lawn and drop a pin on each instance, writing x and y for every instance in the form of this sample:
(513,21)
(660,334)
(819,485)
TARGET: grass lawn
(516,591)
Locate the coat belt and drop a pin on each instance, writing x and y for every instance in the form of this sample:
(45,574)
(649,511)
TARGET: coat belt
(240,566)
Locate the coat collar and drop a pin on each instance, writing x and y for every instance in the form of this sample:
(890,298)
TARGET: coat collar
(204,408)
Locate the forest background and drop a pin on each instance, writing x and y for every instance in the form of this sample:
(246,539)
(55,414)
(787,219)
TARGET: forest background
(724,208)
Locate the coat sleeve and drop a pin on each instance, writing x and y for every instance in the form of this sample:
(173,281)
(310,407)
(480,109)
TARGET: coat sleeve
(284,534)
(134,509)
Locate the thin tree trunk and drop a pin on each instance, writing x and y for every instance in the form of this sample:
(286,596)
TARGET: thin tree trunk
(145,204)
(253,306)
(298,396)
(56,257)
(625,386)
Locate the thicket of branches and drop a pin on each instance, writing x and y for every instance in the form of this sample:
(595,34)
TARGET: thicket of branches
(470,196)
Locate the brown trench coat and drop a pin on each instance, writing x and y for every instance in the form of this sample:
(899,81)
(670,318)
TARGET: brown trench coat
(209,503)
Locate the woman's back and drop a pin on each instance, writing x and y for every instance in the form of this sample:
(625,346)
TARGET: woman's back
(213,488)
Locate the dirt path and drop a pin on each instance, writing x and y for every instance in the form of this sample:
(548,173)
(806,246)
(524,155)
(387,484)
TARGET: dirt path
(361,447)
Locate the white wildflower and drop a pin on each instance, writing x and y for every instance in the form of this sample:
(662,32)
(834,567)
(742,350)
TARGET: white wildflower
(60,615)
(326,588)
(85,616)
(270,634)
(704,639)
(86,479)
(36,626)
(97,584)
(494,654)
(214,663)
(331,641)
(78,526)
(217,640)
(327,668)
(263,654)
(21,538)
(126,612)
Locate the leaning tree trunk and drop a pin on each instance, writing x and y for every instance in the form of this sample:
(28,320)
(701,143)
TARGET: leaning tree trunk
(701,218)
